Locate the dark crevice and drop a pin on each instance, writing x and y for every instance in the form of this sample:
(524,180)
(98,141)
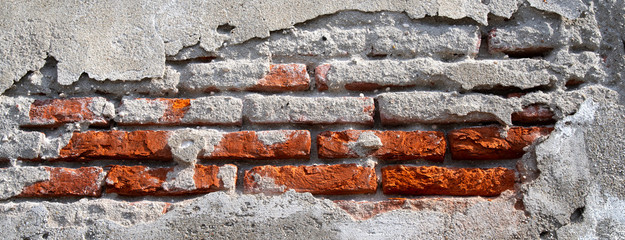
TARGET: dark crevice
(225,28)
(578,215)
(535,52)
(548,235)
(509,91)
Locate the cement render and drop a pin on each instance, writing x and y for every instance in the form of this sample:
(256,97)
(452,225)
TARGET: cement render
(572,188)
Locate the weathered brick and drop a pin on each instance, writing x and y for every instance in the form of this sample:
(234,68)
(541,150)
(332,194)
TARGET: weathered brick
(242,75)
(487,143)
(446,181)
(387,145)
(308,110)
(367,75)
(117,145)
(442,107)
(318,179)
(523,41)
(63,182)
(284,77)
(280,144)
(141,180)
(176,111)
(535,113)
(55,112)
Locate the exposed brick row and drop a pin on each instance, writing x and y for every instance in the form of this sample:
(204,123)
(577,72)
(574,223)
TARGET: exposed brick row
(337,179)
(153,145)
(478,143)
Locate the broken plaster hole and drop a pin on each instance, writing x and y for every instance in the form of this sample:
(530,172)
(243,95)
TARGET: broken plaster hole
(225,28)
(186,144)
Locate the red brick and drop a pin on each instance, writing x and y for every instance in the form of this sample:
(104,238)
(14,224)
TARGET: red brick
(446,181)
(284,77)
(141,180)
(321,76)
(396,145)
(536,114)
(63,182)
(55,112)
(248,145)
(486,143)
(320,179)
(117,145)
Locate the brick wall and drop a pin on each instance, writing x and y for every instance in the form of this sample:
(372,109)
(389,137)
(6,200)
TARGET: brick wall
(373,115)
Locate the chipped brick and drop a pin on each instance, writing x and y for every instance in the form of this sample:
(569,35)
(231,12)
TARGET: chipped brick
(141,181)
(64,182)
(487,143)
(446,181)
(319,179)
(394,145)
(117,145)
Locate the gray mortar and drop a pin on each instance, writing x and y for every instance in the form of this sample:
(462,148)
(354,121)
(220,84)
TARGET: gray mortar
(100,107)
(13,180)
(216,110)
(226,75)
(180,179)
(186,144)
(287,109)
(228,175)
(272,137)
(366,143)
(140,111)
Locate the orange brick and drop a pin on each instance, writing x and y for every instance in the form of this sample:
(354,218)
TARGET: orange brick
(249,145)
(321,76)
(141,180)
(55,112)
(284,77)
(486,143)
(117,145)
(319,179)
(392,145)
(446,181)
(63,182)
(536,113)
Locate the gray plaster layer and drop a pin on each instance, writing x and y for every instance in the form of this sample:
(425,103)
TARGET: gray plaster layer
(533,30)
(308,110)
(134,38)
(215,110)
(222,216)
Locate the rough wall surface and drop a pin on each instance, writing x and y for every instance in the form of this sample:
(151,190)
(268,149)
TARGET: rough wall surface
(337,119)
